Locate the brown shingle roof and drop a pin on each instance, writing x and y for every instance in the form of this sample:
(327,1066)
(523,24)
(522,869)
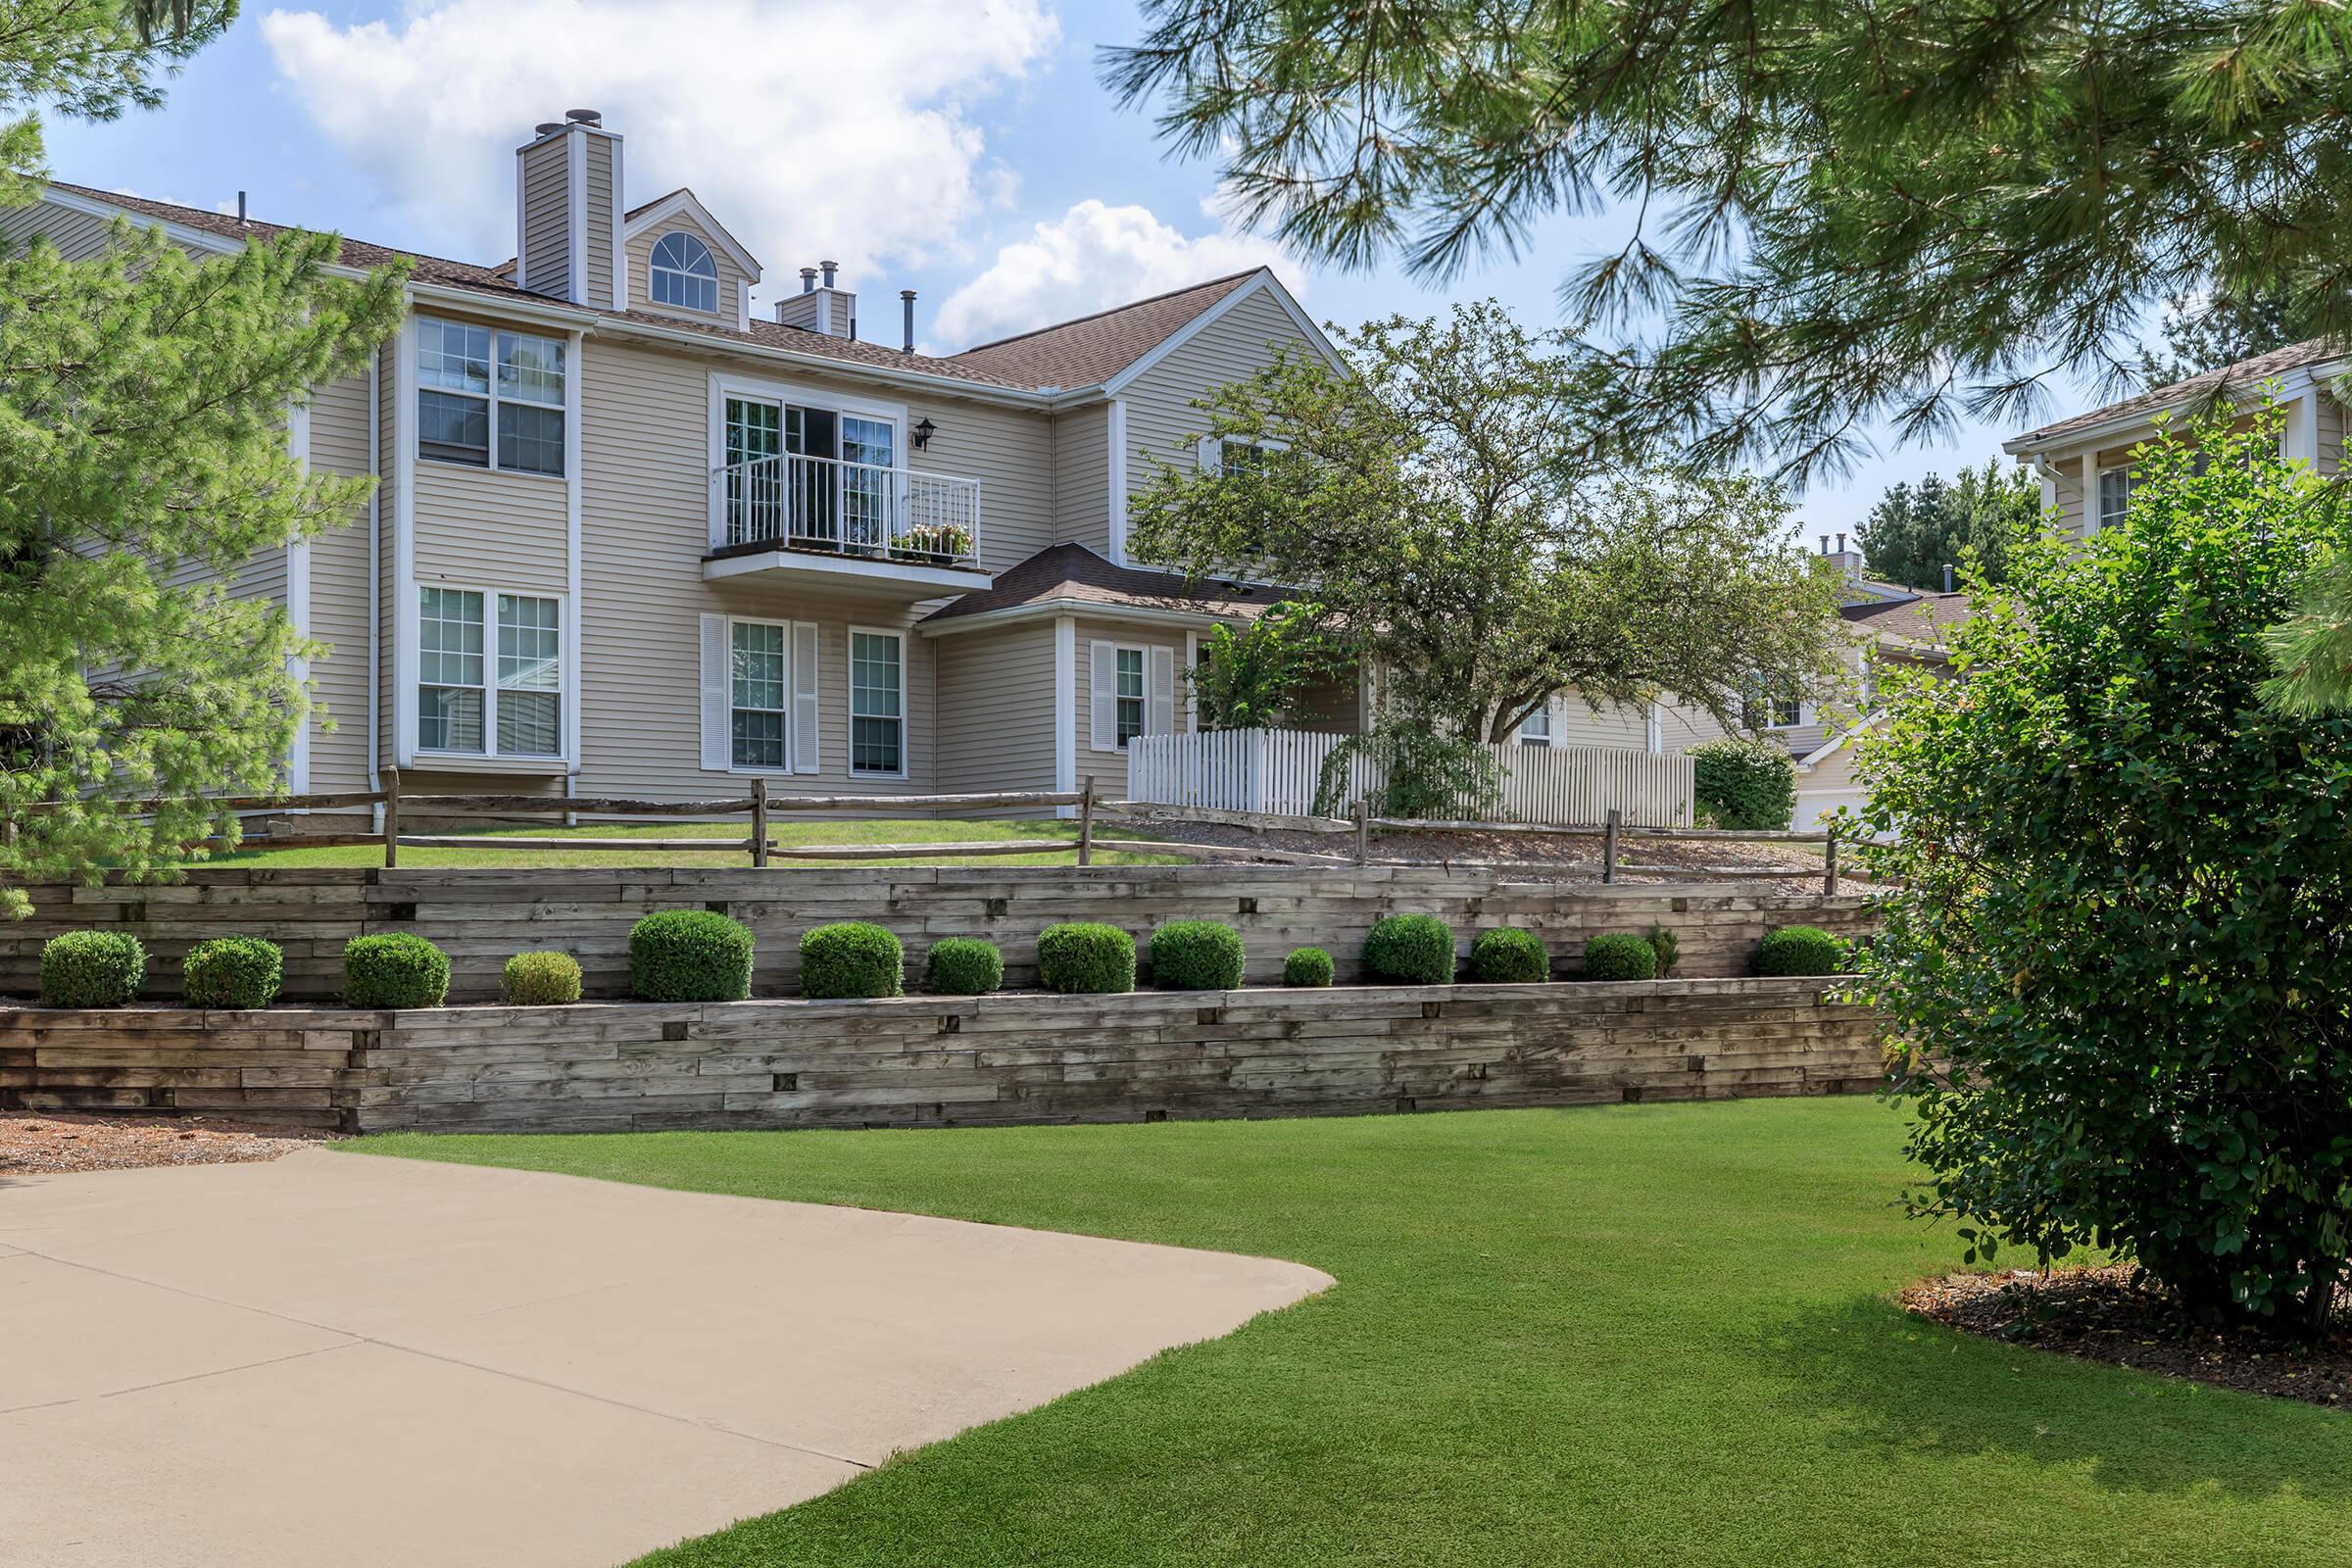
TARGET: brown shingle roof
(1073,354)
(1921,620)
(2244,374)
(1073,572)
(1094,348)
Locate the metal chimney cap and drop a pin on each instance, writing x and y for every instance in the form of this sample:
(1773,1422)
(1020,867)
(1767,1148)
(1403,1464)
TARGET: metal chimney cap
(807,280)
(907,294)
(547,127)
(585,116)
(829,269)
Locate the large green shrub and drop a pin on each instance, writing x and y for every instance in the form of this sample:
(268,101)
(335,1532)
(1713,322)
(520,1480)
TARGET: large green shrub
(1509,956)
(396,970)
(1085,956)
(1802,949)
(2115,952)
(964,966)
(540,980)
(91,969)
(690,955)
(1620,956)
(1197,956)
(852,959)
(1420,773)
(232,972)
(1414,950)
(1307,966)
(1744,783)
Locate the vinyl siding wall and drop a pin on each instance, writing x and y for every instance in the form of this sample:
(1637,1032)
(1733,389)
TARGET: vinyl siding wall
(1011,452)
(339,604)
(78,236)
(644,512)
(995,708)
(546,259)
(1160,419)
(1110,767)
(1081,500)
(599,150)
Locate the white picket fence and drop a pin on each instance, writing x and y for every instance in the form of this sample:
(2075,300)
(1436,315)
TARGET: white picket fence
(1278,770)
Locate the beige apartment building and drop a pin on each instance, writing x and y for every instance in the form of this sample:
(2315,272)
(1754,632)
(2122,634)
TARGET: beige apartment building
(632,539)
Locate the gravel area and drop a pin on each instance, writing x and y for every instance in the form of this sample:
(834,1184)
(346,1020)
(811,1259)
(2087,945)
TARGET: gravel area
(2105,1314)
(1789,867)
(32,1141)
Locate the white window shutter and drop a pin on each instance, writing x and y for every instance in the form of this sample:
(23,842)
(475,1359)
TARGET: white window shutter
(1106,697)
(718,697)
(804,697)
(1160,686)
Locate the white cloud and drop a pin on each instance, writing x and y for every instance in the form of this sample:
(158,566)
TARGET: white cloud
(1092,258)
(813,129)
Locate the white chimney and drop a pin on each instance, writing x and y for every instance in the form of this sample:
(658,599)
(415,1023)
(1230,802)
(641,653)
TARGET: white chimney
(568,206)
(821,307)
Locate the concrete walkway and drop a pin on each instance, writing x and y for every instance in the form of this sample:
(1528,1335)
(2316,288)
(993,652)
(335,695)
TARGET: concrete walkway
(342,1358)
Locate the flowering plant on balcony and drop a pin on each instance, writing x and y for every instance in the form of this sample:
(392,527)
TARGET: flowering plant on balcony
(938,542)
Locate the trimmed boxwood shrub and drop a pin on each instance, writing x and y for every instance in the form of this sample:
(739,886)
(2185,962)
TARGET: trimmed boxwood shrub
(1509,956)
(1743,783)
(233,972)
(1801,950)
(1414,950)
(540,980)
(399,969)
(852,959)
(1620,956)
(964,966)
(690,955)
(1083,956)
(1307,966)
(91,969)
(1197,956)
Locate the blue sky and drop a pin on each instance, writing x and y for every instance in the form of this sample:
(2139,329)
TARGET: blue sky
(962,148)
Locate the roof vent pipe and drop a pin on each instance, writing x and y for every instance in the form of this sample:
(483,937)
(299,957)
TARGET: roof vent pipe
(241,218)
(1841,544)
(1824,544)
(830,267)
(907,298)
(1947,577)
(807,280)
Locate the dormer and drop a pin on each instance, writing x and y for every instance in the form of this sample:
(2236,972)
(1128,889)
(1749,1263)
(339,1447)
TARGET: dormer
(683,263)
(567,222)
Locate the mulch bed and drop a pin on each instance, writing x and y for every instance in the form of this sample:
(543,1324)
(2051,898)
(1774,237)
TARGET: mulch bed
(46,1143)
(2103,1314)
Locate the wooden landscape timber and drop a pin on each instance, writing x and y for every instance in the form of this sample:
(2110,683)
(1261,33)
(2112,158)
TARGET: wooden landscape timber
(483,915)
(949,1060)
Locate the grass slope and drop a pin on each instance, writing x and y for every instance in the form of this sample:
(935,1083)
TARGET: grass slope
(917,830)
(1656,1334)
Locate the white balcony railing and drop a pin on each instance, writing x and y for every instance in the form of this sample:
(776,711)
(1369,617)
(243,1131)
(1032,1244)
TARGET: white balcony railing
(851,508)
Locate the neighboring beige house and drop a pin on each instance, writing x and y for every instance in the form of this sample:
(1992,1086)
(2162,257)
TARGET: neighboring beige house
(629,540)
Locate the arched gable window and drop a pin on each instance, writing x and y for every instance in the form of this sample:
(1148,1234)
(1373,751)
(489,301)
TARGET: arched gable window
(683,272)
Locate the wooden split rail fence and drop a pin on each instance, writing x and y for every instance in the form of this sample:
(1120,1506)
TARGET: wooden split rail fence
(1128,817)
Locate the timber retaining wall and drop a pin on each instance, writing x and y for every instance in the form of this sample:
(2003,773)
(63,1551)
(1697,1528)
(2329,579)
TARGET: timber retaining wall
(948,1060)
(482,917)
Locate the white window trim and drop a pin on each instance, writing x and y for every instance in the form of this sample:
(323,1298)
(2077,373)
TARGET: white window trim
(726,384)
(568,408)
(566,656)
(654,269)
(1210,450)
(2099,488)
(792,680)
(1143,699)
(906,728)
(1550,737)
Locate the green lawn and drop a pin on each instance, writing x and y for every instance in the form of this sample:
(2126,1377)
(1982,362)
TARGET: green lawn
(919,830)
(1648,1335)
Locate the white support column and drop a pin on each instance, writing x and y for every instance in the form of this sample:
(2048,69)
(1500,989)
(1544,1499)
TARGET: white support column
(298,600)
(574,370)
(405,628)
(2299,441)
(1065,707)
(1115,425)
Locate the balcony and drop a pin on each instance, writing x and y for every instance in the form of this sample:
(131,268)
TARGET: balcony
(850,526)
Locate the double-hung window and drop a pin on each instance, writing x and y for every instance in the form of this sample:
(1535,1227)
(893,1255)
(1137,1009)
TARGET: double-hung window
(1130,699)
(2114,496)
(758,694)
(1536,729)
(877,703)
(489,399)
(469,703)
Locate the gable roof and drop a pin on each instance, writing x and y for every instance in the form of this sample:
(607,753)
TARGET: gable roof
(2197,388)
(1918,620)
(1070,355)
(1073,576)
(683,200)
(1094,348)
